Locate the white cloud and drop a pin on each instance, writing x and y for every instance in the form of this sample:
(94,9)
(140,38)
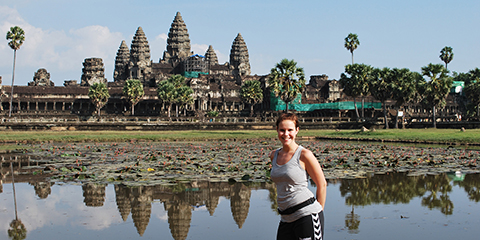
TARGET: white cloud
(157,46)
(222,58)
(61,53)
(162,36)
(202,49)
(199,48)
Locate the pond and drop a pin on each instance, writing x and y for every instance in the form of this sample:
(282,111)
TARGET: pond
(219,190)
(387,206)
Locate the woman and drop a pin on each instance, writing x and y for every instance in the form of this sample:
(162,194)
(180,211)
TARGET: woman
(301,214)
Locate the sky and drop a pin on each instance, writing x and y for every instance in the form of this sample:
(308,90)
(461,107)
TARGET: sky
(60,34)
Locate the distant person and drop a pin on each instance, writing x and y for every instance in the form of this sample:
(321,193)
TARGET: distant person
(301,214)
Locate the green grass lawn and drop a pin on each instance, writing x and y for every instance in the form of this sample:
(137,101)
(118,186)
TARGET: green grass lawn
(470,136)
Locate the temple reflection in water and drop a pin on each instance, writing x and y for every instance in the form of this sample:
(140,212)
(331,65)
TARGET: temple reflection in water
(180,200)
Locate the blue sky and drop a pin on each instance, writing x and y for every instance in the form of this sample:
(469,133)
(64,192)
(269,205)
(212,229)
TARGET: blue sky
(60,34)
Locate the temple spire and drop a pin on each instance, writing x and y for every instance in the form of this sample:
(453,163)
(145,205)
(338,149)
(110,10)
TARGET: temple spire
(178,42)
(239,59)
(211,56)
(121,63)
(140,63)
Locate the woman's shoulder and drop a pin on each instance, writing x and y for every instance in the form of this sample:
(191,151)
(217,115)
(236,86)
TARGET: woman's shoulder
(306,153)
(272,153)
(304,150)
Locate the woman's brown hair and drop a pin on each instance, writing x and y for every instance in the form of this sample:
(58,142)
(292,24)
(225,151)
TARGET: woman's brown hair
(288,116)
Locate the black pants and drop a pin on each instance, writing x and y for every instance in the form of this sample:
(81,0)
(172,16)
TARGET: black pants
(308,227)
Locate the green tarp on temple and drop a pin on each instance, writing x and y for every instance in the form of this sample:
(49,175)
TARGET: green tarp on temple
(193,74)
(276,104)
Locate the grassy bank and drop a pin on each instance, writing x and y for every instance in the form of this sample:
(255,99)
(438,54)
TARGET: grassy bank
(470,136)
(454,136)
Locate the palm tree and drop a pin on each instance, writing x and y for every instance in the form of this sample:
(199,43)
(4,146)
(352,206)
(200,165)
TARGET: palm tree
(436,90)
(133,92)
(287,80)
(472,89)
(352,43)
(404,88)
(251,92)
(356,83)
(98,94)
(17,37)
(184,97)
(446,54)
(381,88)
(168,91)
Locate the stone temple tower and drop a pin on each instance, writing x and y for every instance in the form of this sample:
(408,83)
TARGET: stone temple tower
(239,62)
(211,56)
(121,63)
(178,42)
(140,65)
(93,72)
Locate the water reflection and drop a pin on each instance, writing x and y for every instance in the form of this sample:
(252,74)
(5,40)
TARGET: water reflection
(181,199)
(17,230)
(396,188)
(471,185)
(399,188)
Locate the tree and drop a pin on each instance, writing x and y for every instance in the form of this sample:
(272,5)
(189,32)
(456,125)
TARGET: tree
(168,90)
(184,97)
(381,88)
(287,80)
(16,35)
(464,105)
(251,92)
(352,43)
(472,89)
(98,94)
(133,92)
(436,90)
(404,88)
(166,93)
(355,83)
(446,54)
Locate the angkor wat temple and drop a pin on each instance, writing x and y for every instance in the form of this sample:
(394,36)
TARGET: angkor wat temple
(216,86)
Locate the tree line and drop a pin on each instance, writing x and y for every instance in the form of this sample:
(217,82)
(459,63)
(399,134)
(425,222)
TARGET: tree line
(170,91)
(429,88)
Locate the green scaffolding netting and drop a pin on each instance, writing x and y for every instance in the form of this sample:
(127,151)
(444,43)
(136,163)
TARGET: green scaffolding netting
(193,74)
(276,104)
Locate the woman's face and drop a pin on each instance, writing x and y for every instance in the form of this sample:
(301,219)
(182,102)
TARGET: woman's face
(287,132)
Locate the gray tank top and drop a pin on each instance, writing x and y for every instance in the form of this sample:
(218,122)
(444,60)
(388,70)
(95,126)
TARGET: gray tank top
(292,187)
